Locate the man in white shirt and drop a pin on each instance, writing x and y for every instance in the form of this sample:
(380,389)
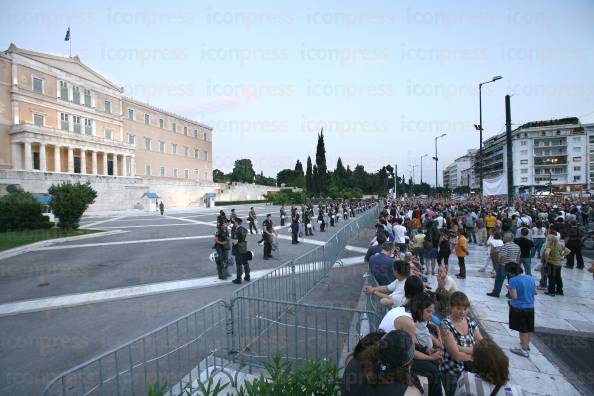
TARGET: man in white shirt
(400,235)
(396,288)
(439,221)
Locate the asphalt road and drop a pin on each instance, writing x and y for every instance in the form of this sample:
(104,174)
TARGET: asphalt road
(35,346)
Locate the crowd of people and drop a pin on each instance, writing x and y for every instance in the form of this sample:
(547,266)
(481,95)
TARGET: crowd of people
(431,332)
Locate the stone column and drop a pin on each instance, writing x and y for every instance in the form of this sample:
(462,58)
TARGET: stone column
(132,166)
(28,157)
(104,163)
(94,162)
(70,160)
(57,159)
(16,156)
(115,164)
(83,161)
(42,158)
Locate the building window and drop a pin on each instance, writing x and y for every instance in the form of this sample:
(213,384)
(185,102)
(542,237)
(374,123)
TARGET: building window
(108,134)
(577,178)
(174,127)
(76,124)
(131,139)
(63,90)
(524,171)
(524,180)
(523,162)
(174,172)
(206,155)
(161,147)
(107,106)
(76,95)
(64,121)
(523,152)
(38,120)
(131,114)
(174,149)
(196,154)
(196,174)
(205,136)
(87,93)
(37,85)
(186,131)
(577,168)
(577,159)
(147,170)
(576,139)
(161,123)
(147,119)
(195,133)
(205,175)
(186,151)
(523,143)
(162,171)
(147,144)
(88,126)
(187,173)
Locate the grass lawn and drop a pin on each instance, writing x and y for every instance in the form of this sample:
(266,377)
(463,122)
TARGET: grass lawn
(12,239)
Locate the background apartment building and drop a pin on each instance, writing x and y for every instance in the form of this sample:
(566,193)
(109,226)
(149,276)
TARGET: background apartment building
(546,155)
(60,120)
(458,174)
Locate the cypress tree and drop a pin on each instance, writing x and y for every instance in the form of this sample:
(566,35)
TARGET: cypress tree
(309,177)
(322,179)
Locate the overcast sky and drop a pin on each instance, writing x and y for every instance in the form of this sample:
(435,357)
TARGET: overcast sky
(383,78)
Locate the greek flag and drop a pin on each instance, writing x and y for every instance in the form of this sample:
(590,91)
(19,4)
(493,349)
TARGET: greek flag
(67,38)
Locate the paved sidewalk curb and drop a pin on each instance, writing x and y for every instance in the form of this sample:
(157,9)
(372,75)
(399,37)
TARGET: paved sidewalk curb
(35,245)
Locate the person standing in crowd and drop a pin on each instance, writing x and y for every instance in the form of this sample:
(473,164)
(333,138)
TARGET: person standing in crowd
(253,220)
(521,306)
(221,218)
(554,253)
(574,244)
(282,215)
(461,251)
(382,264)
(506,253)
(526,246)
(399,232)
(459,333)
(241,253)
(268,235)
(481,230)
(222,247)
(443,255)
(539,236)
(161,208)
(469,224)
(492,373)
(321,220)
(418,241)
(430,245)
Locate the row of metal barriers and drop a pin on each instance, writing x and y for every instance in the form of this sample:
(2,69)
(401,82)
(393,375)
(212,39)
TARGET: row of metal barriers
(264,318)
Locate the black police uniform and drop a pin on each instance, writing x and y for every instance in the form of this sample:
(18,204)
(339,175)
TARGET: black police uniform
(295,228)
(321,221)
(223,252)
(267,225)
(241,260)
(282,216)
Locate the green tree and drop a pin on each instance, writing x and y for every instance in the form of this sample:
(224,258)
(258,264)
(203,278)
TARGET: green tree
(69,202)
(20,211)
(243,171)
(264,181)
(299,175)
(322,182)
(286,176)
(309,177)
(339,175)
(315,180)
(219,177)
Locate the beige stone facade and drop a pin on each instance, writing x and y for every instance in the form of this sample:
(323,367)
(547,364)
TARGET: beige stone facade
(57,115)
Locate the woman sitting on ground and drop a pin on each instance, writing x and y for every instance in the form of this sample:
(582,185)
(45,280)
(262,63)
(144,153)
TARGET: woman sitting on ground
(492,373)
(459,333)
(382,367)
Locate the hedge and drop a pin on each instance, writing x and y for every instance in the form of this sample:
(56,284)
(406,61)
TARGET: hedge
(225,203)
(20,211)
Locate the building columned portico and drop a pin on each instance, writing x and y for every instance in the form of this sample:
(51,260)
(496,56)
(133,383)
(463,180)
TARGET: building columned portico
(47,150)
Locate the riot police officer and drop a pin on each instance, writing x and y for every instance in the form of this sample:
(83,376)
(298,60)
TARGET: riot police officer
(233,221)
(282,216)
(331,215)
(321,220)
(307,223)
(222,246)
(241,254)
(221,218)
(252,219)
(268,233)
(295,227)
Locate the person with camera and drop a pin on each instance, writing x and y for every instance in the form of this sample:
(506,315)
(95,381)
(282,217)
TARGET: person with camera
(241,253)
(222,246)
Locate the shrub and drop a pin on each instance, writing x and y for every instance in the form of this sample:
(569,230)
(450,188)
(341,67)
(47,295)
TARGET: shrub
(286,196)
(227,203)
(20,211)
(69,202)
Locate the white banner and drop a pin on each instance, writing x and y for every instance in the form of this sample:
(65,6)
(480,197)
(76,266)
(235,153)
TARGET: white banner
(495,186)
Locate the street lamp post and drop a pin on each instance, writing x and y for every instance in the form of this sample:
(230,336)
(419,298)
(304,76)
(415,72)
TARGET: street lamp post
(479,127)
(435,159)
(422,156)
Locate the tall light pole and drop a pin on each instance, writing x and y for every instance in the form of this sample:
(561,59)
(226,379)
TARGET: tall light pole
(479,127)
(435,159)
(422,156)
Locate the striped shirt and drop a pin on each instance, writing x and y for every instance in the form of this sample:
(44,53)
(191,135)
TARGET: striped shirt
(508,252)
(471,384)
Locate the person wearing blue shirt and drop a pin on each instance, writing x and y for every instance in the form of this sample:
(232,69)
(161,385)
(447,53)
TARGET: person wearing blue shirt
(521,306)
(382,264)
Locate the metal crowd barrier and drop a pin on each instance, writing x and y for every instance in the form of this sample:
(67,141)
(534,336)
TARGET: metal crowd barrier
(372,303)
(264,318)
(168,355)
(293,280)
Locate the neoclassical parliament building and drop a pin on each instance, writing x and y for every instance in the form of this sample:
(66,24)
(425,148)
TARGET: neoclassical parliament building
(60,120)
